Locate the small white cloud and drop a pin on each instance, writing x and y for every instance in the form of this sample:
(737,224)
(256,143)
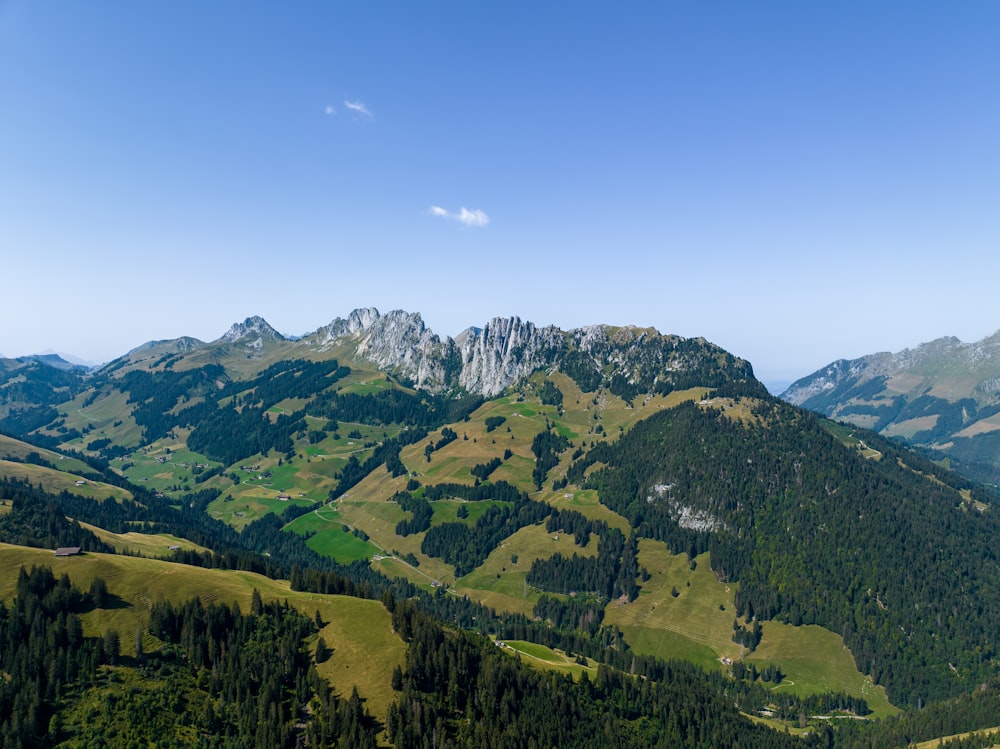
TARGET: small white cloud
(473,218)
(463,216)
(357,106)
(330,109)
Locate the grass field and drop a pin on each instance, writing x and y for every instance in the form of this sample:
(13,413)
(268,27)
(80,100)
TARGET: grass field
(365,649)
(110,416)
(331,539)
(814,660)
(165,466)
(587,503)
(547,659)
(19,451)
(934,743)
(696,626)
(252,505)
(143,544)
(446,510)
(501,583)
(55,481)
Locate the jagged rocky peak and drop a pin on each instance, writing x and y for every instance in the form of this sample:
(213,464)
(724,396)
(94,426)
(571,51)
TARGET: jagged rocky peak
(470,332)
(374,328)
(504,351)
(397,340)
(488,360)
(254,328)
(357,322)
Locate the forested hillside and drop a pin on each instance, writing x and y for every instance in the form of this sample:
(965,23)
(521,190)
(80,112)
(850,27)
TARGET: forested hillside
(818,534)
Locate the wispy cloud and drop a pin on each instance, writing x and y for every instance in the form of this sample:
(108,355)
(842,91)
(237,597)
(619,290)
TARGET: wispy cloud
(330,109)
(359,107)
(463,216)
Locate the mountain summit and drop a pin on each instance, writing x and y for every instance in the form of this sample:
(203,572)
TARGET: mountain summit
(251,330)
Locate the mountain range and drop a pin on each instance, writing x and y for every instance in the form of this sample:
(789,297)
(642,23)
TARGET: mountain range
(601,500)
(942,397)
(483,361)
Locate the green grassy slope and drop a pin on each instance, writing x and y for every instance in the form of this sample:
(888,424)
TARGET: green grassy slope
(359,631)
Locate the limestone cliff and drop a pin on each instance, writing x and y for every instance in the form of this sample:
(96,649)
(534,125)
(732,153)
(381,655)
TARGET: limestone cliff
(490,359)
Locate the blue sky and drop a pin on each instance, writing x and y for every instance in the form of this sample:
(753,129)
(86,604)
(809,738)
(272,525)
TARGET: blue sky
(797,182)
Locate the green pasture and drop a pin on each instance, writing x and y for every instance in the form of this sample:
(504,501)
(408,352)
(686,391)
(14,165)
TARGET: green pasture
(19,451)
(548,659)
(446,510)
(815,660)
(341,545)
(155,545)
(365,648)
(100,416)
(501,583)
(364,383)
(587,503)
(697,626)
(331,539)
(176,469)
(54,481)
(239,510)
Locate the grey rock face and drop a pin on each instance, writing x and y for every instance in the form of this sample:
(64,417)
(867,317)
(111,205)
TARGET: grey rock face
(396,341)
(488,360)
(483,361)
(503,352)
(254,330)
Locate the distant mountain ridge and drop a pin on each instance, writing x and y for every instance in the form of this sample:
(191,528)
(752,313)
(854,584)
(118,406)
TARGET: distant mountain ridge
(487,360)
(942,396)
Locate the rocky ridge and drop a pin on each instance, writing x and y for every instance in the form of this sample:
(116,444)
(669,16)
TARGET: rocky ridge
(939,365)
(490,359)
(251,331)
(481,360)
(182,345)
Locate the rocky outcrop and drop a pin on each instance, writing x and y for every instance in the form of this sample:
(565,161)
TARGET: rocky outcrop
(484,360)
(488,360)
(252,331)
(397,341)
(503,352)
